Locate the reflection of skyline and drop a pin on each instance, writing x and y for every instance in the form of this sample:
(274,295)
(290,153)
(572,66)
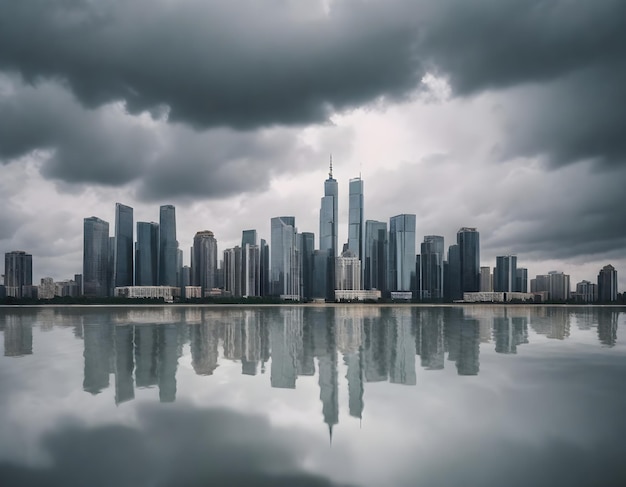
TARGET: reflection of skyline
(370,344)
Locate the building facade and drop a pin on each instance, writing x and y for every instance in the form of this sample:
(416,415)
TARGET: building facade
(468,240)
(285,262)
(18,272)
(401,252)
(355,217)
(430,277)
(505,274)
(147,254)
(168,247)
(204,261)
(123,249)
(375,270)
(607,284)
(96,258)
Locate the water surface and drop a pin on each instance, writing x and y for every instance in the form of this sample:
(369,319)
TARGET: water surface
(314,396)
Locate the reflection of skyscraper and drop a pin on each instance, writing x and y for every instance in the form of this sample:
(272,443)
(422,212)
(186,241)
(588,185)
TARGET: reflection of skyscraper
(124,364)
(18,272)
(431,339)
(376,254)
(146,349)
(508,333)
(147,254)
(328,380)
(375,347)
(401,252)
(354,362)
(18,338)
(168,246)
(306,363)
(251,343)
(607,327)
(123,252)
(95,257)
(204,352)
(402,341)
(98,343)
(168,361)
(285,334)
(463,338)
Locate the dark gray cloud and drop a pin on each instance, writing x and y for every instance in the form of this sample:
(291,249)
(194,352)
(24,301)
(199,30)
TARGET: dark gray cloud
(107,146)
(241,64)
(181,446)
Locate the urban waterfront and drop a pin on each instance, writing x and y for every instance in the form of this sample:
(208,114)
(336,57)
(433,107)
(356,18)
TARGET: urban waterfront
(361,395)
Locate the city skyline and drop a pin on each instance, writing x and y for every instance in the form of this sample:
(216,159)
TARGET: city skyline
(441,124)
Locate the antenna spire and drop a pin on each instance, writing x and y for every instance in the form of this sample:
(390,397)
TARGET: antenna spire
(330,174)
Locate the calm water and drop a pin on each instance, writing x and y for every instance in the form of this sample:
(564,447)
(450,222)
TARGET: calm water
(314,396)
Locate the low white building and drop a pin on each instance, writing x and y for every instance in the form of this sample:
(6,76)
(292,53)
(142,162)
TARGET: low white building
(496,297)
(357,295)
(167,293)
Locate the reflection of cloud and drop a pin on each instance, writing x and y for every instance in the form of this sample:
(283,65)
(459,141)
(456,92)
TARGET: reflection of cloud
(171,447)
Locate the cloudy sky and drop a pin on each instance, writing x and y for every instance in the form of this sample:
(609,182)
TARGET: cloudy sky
(505,115)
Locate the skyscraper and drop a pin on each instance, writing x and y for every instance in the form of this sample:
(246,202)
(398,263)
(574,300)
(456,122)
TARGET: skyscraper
(96,268)
(204,261)
(307,247)
(18,272)
(248,237)
(401,252)
(452,278)
(147,254)
(355,218)
(468,240)
(328,214)
(607,284)
(250,264)
(285,259)
(375,258)
(123,251)
(505,274)
(233,271)
(486,280)
(264,271)
(168,246)
(521,280)
(431,267)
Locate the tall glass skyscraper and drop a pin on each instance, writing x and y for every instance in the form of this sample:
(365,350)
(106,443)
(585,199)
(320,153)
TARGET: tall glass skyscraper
(376,255)
(607,284)
(248,237)
(18,272)
(505,274)
(306,246)
(123,251)
(147,254)
(96,270)
(204,260)
(401,252)
(452,279)
(431,267)
(328,214)
(168,246)
(468,240)
(355,218)
(285,259)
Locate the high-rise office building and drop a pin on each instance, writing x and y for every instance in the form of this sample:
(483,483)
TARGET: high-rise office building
(348,272)
(376,255)
(18,272)
(468,240)
(147,254)
(285,258)
(233,271)
(486,280)
(586,292)
(505,274)
(355,217)
(431,268)
(123,250)
(329,214)
(401,252)
(248,237)
(607,284)
(204,261)
(521,280)
(452,278)
(306,245)
(250,270)
(96,257)
(168,247)
(264,271)
(559,286)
